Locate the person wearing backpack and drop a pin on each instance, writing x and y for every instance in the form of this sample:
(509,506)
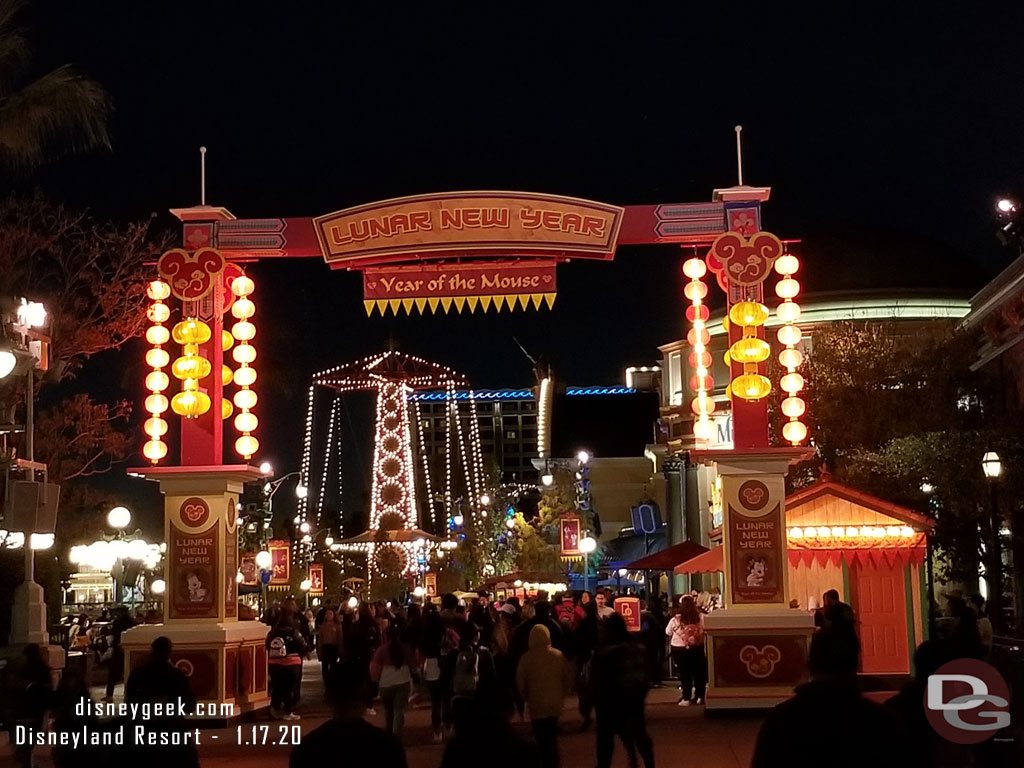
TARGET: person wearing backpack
(285,649)
(686,636)
(474,680)
(541,680)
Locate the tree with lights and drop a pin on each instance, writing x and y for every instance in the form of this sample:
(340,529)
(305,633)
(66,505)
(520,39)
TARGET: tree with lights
(903,417)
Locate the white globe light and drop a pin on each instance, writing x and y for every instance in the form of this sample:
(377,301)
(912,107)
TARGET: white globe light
(329,540)
(419,592)
(353,602)
(119,517)
(1005,205)
(263,559)
(301,491)
(158,587)
(623,571)
(304,527)
(583,457)
(458,519)
(588,544)
(7,362)
(239,577)
(547,478)
(485,499)
(41,540)
(305,584)
(266,468)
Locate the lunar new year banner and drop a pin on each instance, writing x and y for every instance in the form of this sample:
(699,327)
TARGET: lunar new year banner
(755,534)
(569,535)
(280,565)
(316,578)
(192,562)
(429,286)
(467,223)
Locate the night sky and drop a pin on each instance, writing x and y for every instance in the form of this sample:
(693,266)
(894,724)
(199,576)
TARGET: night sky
(886,138)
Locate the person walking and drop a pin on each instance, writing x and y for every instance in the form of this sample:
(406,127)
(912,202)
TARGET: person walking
(361,644)
(428,648)
(286,648)
(328,642)
(35,698)
(540,678)
(619,674)
(157,681)
(586,643)
(115,673)
(391,669)
(345,691)
(686,636)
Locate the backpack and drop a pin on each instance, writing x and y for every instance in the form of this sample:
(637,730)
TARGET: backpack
(449,642)
(693,634)
(278,649)
(467,674)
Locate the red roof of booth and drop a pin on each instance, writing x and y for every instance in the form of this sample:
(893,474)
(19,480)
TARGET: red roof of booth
(669,558)
(709,562)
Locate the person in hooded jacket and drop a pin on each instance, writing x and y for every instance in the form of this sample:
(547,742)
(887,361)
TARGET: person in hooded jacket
(541,681)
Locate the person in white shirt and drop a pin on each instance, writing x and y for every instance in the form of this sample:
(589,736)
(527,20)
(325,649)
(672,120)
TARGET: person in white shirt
(686,638)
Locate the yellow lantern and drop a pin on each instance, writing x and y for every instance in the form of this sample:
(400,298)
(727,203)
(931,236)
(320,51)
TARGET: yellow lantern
(227,341)
(154,450)
(191,331)
(703,429)
(191,367)
(190,404)
(226,375)
(245,399)
(751,386)
(157,334)
(725,323)
(727,358)
(748,313)
(226,409)
(751,350)
(246,445)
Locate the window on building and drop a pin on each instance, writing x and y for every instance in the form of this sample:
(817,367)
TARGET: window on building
(676,382)
(510,435)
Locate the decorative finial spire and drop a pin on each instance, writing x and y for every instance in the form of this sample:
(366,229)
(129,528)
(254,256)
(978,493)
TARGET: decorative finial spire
(202,175)
(739,155)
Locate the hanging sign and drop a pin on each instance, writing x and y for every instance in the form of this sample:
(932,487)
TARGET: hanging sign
(629,609)
(316,577)
(455,223)
(250,573)
(569,536)
(280,564)
(430,584)
(429,286)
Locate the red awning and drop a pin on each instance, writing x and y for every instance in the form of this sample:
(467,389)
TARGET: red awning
(667,559)
(709,562)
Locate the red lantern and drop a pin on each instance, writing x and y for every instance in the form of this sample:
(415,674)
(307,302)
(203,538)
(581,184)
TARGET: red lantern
(705,359)
(708,385)
(699,312)
(691,337)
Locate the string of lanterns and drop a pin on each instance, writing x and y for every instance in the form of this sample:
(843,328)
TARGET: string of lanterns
(789,334)
(244,354)
(190,368)
(157,381)
(699,337)
(749,351)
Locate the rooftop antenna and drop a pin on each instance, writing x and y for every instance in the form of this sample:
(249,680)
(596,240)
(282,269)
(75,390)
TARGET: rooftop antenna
(202,174)
(739,155)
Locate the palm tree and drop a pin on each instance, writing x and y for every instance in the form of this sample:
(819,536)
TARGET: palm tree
(59,113)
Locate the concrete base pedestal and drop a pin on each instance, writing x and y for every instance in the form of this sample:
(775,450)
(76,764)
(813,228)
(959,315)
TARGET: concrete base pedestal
(28,615)
(755,657)
(226,663)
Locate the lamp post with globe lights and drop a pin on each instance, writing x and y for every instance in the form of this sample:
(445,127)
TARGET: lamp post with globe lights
(265,562)
(992,467)
(588,545)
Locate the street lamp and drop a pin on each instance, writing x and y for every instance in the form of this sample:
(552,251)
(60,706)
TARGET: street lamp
(587,546)
(993,468)
(266,468)
(305,586)
(547,478)
(119,517)
(583,457)
(158,587)
(7,360)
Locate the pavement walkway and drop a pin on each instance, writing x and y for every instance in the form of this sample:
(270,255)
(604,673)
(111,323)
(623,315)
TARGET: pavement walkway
(682,735)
